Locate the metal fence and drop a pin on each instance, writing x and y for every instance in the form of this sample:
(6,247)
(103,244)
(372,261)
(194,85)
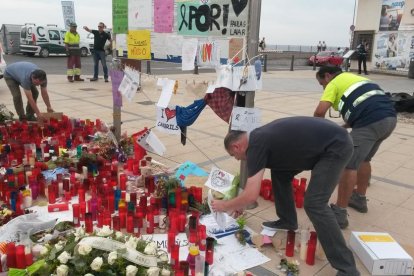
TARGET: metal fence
(298,48)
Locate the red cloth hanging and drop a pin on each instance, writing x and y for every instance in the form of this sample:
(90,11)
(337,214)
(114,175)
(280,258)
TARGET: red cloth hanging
(221,101)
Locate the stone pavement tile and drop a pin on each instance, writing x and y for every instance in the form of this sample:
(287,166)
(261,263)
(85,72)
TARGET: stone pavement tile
(384,192)
(402,175)
(408,204)
(392,158)
(400,221)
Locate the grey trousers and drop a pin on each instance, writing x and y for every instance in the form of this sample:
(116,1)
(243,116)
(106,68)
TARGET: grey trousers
(14,87)
(324,178)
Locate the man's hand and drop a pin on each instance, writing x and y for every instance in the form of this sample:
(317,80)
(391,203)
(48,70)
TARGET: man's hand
(237,213)
(218,205)
(49,109)
(41,119)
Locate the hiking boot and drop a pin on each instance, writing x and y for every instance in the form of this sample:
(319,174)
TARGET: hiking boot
(341,216)
(78,78)
(93,79)
(358,202)
(277,225)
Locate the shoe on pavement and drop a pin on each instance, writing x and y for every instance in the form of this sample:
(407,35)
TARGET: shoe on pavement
(106,80)
(94,79)
(358,202)
(341,216)
(277,225)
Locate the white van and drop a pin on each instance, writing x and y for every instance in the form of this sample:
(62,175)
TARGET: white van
(2,62)
(45,40)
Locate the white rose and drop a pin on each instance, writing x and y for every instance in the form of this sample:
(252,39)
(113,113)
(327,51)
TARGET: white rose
(118,235)
(62,270)
(131,270)
(151,248)
(44,251)
(165,272)
(104,231)
(163,258)
(153,271)
(132,242)
(64,257)
(59,245)
(84,249)
(112,257)
(97,263)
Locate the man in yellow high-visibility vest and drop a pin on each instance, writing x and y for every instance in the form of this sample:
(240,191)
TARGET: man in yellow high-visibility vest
(72,40)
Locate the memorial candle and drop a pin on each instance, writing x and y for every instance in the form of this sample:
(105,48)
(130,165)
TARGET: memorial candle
(20,257)
(290,243)
(310,254)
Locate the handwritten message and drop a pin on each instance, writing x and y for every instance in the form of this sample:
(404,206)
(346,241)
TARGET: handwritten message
(139,44)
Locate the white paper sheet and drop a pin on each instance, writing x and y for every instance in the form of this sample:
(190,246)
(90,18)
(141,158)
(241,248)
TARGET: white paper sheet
(219,180)
(189,52)
(167,120)
(166,93)
(140,14)
(130,83)
(245,118)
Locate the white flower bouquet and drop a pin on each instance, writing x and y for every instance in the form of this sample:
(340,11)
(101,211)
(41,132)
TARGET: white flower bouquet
(104,252)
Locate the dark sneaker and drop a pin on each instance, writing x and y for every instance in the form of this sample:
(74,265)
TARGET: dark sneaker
(277,225)
(341,216)
(358,202)
(106,80)
(94,79)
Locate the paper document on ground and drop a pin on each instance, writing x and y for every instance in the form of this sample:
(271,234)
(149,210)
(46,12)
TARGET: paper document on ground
(219,217)
(269,233)
(232,256)
(214,230)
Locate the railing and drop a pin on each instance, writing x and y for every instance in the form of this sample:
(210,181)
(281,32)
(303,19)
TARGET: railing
(298,48)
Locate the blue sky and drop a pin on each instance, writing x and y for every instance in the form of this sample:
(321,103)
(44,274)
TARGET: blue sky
(283,22)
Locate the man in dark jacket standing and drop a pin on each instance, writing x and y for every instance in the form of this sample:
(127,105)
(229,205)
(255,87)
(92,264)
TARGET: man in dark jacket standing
(99,39)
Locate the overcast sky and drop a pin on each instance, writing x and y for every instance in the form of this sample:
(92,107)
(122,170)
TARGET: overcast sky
(283,22)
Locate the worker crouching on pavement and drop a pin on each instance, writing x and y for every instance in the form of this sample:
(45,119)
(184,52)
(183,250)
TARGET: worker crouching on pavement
(72,40)
(370,113)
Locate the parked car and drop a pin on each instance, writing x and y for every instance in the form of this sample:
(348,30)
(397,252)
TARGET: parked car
(326,58)
(45,40)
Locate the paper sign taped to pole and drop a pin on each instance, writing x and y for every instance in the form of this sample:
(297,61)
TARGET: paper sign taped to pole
(130,83)
(245,118)
(244,78)
(225,76)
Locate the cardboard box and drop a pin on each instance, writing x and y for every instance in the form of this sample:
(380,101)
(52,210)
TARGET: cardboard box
(381,254)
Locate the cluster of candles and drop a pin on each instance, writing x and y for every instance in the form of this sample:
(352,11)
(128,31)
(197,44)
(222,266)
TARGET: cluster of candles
(308,242)
(298,185)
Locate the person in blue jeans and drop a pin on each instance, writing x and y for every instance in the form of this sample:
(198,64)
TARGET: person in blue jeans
(100,37)
(288,146)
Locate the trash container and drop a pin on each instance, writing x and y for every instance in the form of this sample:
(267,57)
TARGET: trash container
(411,69)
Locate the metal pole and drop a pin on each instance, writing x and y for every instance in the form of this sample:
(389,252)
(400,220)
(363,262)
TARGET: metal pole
(291,62)
(252,42)
(265,63)
(149,67)
(314,62)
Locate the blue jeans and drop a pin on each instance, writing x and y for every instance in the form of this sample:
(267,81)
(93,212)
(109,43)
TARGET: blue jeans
(99,55)
(324,178)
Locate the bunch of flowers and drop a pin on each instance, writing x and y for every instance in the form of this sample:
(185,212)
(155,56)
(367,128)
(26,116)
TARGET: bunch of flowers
(103,252)
(5,114)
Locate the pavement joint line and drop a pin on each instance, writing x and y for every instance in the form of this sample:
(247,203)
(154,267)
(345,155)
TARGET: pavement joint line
(393,182)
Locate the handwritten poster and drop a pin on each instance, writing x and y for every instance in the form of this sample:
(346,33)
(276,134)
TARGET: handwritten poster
(213,18)
(245,119)
(121,44)
(139,44)
(139,14)
(120,16)
(189,52)
(163,16)
(116,78)
(208,54)
(167,120)
(130,83)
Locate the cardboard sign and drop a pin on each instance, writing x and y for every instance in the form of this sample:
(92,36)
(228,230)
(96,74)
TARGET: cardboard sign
(245,119)
(167,120)
(139,44)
